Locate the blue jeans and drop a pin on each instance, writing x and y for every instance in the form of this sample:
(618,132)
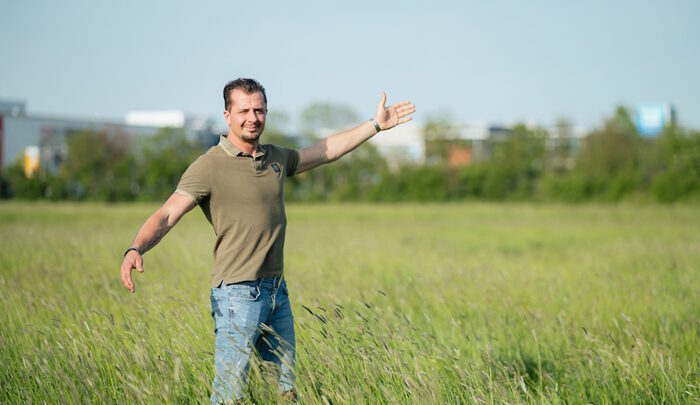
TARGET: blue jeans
(248,316)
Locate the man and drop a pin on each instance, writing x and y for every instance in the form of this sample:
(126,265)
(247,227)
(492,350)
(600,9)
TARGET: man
(239,186)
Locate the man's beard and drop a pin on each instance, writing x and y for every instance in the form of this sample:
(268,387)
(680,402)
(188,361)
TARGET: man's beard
(251,137)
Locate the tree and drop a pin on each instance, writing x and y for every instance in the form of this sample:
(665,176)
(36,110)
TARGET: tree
(676,164)
(96,166)
(561,146)
(164,158)
(515,165)
(276,130)
(320,119)
(609,158)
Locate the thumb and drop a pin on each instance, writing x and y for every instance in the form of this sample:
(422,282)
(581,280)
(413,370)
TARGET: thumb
(382,102)
(139,264)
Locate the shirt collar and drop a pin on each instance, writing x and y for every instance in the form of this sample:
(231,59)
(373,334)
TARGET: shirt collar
(233,151)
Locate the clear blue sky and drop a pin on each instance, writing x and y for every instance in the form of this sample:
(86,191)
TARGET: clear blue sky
(498,60)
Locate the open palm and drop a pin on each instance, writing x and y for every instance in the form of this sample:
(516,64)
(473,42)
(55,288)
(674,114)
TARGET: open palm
(389,117)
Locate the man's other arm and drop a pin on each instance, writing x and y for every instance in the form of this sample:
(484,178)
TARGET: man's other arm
(152,231)
(337,145)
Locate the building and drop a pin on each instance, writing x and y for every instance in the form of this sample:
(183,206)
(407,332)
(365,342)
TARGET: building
(478,137)
(651,119)
(401,145)
(563,142)
(460,144)
(19,131)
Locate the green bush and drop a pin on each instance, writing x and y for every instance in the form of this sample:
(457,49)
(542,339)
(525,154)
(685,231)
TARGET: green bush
(613,163)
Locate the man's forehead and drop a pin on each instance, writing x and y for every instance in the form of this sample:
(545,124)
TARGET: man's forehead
(240,98)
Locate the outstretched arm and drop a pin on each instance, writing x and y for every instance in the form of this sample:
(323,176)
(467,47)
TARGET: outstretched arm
(151,232)
(337,145)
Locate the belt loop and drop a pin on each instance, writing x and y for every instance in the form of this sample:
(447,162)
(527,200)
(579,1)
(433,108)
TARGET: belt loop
(274,285)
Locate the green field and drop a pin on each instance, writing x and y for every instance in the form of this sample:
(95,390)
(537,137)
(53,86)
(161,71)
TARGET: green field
(459,303)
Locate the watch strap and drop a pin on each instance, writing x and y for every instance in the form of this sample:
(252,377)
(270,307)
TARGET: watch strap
(133,248)
(376,126)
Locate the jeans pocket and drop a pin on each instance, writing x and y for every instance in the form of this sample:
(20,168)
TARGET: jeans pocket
(244,292)
(245,306)
(219,308)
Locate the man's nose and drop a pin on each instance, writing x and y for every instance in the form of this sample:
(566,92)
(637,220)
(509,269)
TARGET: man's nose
(252,116)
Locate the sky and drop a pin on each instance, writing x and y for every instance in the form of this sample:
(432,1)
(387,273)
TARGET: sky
(496,61)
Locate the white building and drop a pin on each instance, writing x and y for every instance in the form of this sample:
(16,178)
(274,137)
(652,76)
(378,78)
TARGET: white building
(401,144)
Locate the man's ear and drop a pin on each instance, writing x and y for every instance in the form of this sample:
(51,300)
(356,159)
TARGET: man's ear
(227,117)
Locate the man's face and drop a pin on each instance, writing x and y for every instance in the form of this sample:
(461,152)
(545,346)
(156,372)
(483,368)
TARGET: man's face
(246,115)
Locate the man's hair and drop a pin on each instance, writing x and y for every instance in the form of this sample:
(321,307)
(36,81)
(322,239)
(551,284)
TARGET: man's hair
(249,86)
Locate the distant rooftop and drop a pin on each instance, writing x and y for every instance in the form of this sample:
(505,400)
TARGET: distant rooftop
(13,107)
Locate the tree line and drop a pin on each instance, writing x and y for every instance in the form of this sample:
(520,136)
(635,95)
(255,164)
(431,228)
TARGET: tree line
(613,162)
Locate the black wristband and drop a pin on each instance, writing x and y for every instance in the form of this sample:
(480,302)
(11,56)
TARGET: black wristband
(133,248)
(376,126)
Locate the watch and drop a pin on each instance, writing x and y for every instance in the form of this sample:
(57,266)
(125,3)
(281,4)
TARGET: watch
(133,248)
(376,126)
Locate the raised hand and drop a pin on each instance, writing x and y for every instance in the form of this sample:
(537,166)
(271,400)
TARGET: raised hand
(389,117)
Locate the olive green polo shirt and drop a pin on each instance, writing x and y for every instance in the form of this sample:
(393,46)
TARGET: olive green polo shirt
(243,199)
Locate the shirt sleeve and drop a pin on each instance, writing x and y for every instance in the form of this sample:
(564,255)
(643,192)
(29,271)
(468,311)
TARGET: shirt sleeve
(195,182)
(292,161)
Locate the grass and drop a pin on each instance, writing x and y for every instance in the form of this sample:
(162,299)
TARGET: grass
(454,303)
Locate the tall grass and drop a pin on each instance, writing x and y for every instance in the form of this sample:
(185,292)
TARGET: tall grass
(464,303)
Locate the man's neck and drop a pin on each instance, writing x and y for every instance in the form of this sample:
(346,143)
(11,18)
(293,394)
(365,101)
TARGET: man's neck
(246,147)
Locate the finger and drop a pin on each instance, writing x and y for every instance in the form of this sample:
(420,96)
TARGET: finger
(402,103)
(405,119)
(382,101)
(129,282)
(406,110)
(126,279)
